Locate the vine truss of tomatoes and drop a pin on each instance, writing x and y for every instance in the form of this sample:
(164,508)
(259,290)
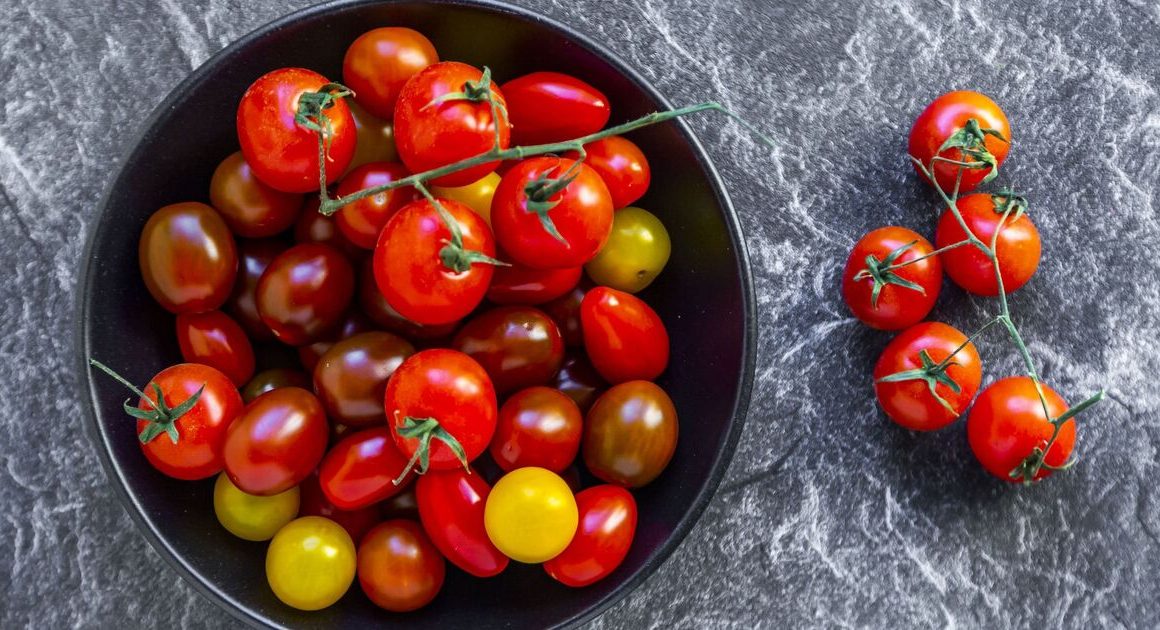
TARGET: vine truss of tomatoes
(1019,428)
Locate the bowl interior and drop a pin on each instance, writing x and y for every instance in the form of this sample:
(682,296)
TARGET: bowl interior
(703,296)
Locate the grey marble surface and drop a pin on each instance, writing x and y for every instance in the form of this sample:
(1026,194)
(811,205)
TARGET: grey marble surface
(829,515)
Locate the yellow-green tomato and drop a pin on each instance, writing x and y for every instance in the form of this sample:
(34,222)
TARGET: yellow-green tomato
(530,515)
(249,516)
(476,195)
(635,253)
(310,563)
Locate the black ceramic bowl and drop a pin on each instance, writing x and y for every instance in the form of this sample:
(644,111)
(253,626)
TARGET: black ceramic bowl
(705,297)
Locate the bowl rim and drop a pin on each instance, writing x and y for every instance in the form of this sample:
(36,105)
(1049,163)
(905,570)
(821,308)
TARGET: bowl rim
(82,333)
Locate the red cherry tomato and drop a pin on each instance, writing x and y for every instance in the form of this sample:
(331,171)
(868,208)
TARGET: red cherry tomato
(362,220)
(549,107)
(607,527)
(304,293)
(213,339)
(1007,424)
(313,502)
(578,380)
(942,118)
(897,306)
(538,426)
(353,323)
(283,153)
(375,306)
(1017,247)
(519,346)
(351,378)
(451,506)
(398,567)
(315,227)
(622,166)
(519,284)
(276,442)
(251,209)
(625,339)
(272,379)
(361,469)
(431,134)
(253,258)
(187,258)
(910,402)
(565,311)
(413,278)
(380,61)
(582,214)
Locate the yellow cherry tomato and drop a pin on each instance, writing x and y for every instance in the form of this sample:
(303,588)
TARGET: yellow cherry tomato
(636,251)
(252,517)
(310,563)
(477,195)
(375,141)
(530,515)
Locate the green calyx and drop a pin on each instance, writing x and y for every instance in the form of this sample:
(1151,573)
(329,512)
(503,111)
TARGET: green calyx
(453,254)
(882,274)
(472,91)
(1007,201)
(970,140)
(1027,469)
(425,430)
(540,192)
(312,105)
(161,418)
(933,374)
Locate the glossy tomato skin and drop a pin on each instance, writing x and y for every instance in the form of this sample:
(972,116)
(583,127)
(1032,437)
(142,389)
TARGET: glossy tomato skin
(622,166)
(351,378)
(1007,423)
(565,311)
(362,220)
(304,293)
(250,208)
(398,567)
(361,469)
(353,323)
(910,403)
(188,258)
(282,153)
(274,378)
(634,255)
(520,284)
(202,430)
(608,519)
(454,130)
(578,380)
(253,258)
(451,506)
(898,307)
(1018,247)
(630,434)
(213,339)
(411,275)
(945,115)
(550,107)
(582,215)
(376,307)
(276,442)
(314,503)
(624,338)
(380,61)
(310,563)
(530,515)
(538,426)
(519,346)
(252,517)
(315,227)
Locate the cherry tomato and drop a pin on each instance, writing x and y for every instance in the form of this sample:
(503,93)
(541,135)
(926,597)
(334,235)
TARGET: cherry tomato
(398,567)
(272,379)
(552,107)
(375,306)
(538,426)
(565,311)
(897,306)
(276,442)
(376,138)
(380,61)
(351,378)
(622,166)
(630,434)
(412,276)
(530,515)
(451,505)
(942,118)
(362,220)
(1007,424)
(625,339)
(581,213)
(476,195)
(636,252)
(304,292)
(519,346)
(602,540)
(578,380)
(1017,247)
(431,133)
(361,469)
(213,339)
(518,284)
(910,402)
(253,258)
(251,209)
(252,517)
(188,258)
(353,323)
(314,503)
(315,227)
(310,564)
(282,152)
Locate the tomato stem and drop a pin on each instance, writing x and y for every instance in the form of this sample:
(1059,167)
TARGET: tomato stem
(454,255)
(161,418)
(425,430)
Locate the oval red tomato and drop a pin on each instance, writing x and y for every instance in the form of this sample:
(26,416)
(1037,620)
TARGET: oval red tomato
(547,107)
(907,294)
(213,339)
(187,257)
(1018,247)
(361,469)
(304,293)
(251,208)
(911,402)
(276,442)
(1007,423)
(607,527)
(622,166)
(942,118)
(379,63)
(538,426)
(451,504)
(518,346)
(362,220)
(625,339)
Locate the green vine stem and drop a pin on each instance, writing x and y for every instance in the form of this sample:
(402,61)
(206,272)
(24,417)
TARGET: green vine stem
(161,418)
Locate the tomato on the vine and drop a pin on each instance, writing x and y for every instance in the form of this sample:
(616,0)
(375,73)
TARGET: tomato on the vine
(380,61)
(630,434)
(891,299)
(351,377)
(253,258)
(940,120)
(518,346)
(624,337)
(188,258)
(451,506)
(1017,247)
(636,252)
(1007,424)
(304,292)
(362,469)
(622,166)
(398,567)
(607,527)
(251,208)
(538,426)
(531,515)
(213,339)
(362,220)
(249,516)
(310,563)
(550,107)
(912,388)
(276,441)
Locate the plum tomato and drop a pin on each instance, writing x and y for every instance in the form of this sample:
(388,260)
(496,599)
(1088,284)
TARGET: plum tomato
(622,166)
(941,119)
(376,138)
(353,323)
(380,61)
(361,469)
(398,567)
(636,252)
(624,338)
(538,426)
(1007,424)
(188,258)
(276,442)
(351,377)
(551,212)
(1017,246)
(253,258)
(443,116)
(565,311)
(375,306)
(530,515)
(310,563)
(272,379)
(362,220)
(476,195)
(250,208)
(315,227)
(519,284)
(904,295)
(252,517)
(578,380)
(518,346)
(213,339)
(630,434)
(304,293)
(910,388)
(451,506)
(602,540)
(547,107)
(282,152)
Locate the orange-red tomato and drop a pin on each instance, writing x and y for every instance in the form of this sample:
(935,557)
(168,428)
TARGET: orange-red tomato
(942,118)
(1018,247)
(625,339)
(398,567)
(380,62)
(897,305)
(910,403)
(1007,423)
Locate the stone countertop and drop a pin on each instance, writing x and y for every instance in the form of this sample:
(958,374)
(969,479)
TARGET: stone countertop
(829,515)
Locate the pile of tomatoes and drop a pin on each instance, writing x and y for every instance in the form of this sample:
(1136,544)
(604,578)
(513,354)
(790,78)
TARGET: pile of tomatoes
(487,331)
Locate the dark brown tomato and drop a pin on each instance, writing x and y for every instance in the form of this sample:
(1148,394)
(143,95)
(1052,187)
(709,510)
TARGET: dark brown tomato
(251,208)
(354,323)
(253,258)
(272,379)
(565,311)
(188,258)
(351,378)
(518,346)
(630,434)
(305,292)
(578,380)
